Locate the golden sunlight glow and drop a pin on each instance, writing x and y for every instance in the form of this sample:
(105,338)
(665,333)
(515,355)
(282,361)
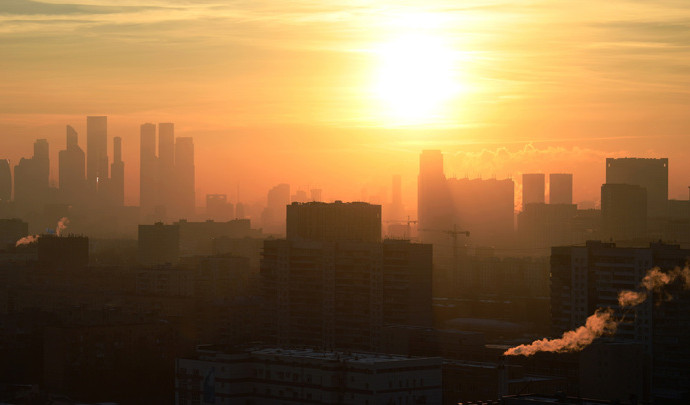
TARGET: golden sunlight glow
(416,79)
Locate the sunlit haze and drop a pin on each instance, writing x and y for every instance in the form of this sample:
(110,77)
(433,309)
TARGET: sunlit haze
(341,95)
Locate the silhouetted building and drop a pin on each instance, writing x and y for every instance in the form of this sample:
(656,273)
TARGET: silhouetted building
(148,169)
(95,359)
(323,289)
(276,375)
(650,174)
(584,278)
(315,194)
(274,215)
(72,174)
(11,230)
(31,178)
(63,252)
(533,188)
(5,180)
(434,206)
(354,221)
(185,185)
(541,226)
(117,175)
(396,211)
(560,188)
(158,244)
(485,208)
(168,185)
(218,208)
(623,211)
(300,196)
(196,238)
(96,152)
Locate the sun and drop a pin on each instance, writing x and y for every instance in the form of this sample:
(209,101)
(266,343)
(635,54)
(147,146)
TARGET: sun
(415,80)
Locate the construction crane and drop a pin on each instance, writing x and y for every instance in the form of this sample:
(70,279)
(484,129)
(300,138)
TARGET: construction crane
(454,233)
(409,222)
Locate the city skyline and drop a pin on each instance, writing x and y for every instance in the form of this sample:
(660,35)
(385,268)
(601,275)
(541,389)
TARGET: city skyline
(344,202)
(614,89)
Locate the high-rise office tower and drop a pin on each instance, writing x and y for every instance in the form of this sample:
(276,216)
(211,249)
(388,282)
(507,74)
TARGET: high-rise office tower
(71,165)
(42,160)
(623,211)
(652,174)
(148,168)
(273,216)
(117,179)
(434,207)
(560,188)
(31,178)
(185,176)
(397,209)
(533,188)
(5,180)
(96,151)
(167,184)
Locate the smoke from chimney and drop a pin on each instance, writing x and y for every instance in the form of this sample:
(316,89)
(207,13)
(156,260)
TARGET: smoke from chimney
(60,229)
(603,322)
(61,226)
(26,240)
(654,282)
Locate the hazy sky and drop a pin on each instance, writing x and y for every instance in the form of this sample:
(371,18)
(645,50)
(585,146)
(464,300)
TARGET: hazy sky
(343,94)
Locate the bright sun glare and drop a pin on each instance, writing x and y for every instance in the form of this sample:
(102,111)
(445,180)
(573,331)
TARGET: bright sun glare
(416,79)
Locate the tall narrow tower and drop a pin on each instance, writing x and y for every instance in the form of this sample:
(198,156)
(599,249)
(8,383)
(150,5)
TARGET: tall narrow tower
(185,176)
(96,151)
(71,164)
(117,169)
(148,187)
(166,165)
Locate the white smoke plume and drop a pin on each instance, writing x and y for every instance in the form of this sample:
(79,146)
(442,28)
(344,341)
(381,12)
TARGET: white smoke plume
(26,240)
(61,226)
(654,282)
(601,323)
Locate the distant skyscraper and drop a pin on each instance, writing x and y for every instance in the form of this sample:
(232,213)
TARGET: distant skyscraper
(652,174)
(167,184)
(434,208)
(31,178)
(299,196)
(96,151)
(185,176)
(71,167)
(273,216)
(560,188)
(397,210)
(148,167)
(117,170)
(218,207)
(315,194)
(5,180)
(533,188)
(623,211)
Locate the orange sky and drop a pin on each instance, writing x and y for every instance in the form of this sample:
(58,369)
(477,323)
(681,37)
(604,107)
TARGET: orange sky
(276,91)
